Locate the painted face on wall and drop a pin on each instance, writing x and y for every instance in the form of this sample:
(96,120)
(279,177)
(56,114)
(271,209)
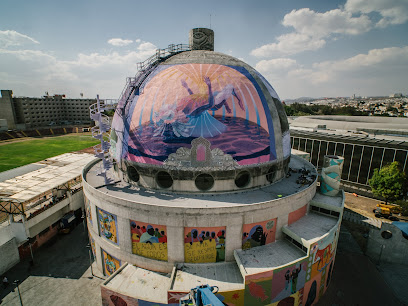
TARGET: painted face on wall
(179,103)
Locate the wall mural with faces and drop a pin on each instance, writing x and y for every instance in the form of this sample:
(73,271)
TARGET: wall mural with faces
(179,103)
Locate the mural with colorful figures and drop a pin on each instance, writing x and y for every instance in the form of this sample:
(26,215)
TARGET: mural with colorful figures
(108,225)
(223,104)
(299,283)
(204,244)
(257,234)
(88,210)
(110,263)
(149,240)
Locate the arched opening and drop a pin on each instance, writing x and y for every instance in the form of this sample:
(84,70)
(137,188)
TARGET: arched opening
(204,182)
(164,179)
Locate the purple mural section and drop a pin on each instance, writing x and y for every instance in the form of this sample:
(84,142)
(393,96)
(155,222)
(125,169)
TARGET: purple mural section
(179,103)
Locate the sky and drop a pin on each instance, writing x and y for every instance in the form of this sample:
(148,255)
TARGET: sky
(314,48)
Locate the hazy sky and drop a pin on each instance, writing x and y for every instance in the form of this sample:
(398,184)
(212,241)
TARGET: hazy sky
(304,48)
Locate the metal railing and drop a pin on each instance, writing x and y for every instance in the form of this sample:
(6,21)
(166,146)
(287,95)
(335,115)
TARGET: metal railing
(144,70)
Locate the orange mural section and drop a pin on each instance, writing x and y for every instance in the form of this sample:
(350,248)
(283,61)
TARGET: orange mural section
(204,244)
(297,214)
(149,240)
(257,234)
(110,263)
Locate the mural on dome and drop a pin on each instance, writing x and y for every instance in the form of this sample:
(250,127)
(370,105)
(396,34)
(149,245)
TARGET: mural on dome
(108,225)
(204,244)
(149,240)
(179,103)
(257,234)
(110,263)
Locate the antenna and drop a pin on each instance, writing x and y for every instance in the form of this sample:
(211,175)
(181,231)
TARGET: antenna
(210,21)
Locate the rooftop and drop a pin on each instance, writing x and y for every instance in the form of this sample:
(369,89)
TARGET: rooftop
(122,190)
(31,182)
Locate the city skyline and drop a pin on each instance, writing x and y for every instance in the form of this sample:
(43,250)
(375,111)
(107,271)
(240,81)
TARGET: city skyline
(339,48)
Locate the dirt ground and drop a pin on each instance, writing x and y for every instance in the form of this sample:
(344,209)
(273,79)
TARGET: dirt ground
(360,204)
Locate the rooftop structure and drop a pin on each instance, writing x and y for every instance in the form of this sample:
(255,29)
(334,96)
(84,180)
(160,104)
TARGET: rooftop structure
(204,189)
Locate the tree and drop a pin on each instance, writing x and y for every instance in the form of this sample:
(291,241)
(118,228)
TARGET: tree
(388,182)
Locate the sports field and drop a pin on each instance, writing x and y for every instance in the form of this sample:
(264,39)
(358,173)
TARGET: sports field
(16,154)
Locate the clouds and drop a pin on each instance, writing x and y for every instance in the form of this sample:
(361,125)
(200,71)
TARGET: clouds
(27,70)
(119,42)
(369,73)
(313,29)
(13,39)
(392,11)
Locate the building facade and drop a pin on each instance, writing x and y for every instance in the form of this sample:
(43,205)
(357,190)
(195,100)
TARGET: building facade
(26,113)
(204,190)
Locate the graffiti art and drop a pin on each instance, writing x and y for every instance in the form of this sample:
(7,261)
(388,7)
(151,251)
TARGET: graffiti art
(149,240)
(108,225)
(204,244)
(179,103)
(110,263)
(257,234)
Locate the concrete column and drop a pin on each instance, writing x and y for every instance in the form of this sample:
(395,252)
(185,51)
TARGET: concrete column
(281,222)
(175,244)
(233,240)
(124,235)
(98,256)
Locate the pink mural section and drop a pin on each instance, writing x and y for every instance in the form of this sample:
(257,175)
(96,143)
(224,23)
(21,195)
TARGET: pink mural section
(257,234)
(204,244)
(186,86)
(182,102)
(297,214)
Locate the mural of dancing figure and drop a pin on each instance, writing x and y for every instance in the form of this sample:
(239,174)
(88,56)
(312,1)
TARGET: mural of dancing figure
(190,117)
(196,107)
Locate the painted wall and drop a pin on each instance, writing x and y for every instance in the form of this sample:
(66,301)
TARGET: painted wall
(204,244)
(297,214)
(108,225)
(110,263)
(299,283)
(149,240)
(257,234)
(223,104)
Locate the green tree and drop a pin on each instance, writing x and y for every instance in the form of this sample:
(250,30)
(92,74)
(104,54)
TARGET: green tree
(388,182)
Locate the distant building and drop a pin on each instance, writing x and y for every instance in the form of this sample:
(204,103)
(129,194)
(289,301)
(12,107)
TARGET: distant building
(396,95)
(25,113)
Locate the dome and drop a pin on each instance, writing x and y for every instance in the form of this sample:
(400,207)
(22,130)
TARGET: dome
(204,104)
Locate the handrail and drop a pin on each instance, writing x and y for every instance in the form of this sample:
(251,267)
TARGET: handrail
(145,68)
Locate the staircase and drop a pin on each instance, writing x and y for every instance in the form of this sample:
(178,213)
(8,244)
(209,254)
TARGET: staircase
(133,84)
(101,132)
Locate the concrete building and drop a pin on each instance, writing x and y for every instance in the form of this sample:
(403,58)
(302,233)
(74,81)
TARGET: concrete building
(204,189)
(366,143)
(25,113)
(33,199)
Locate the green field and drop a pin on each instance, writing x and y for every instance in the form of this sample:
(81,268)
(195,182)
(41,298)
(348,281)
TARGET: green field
(25,152)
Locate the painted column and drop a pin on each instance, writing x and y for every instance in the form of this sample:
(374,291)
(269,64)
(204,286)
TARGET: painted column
(331,175)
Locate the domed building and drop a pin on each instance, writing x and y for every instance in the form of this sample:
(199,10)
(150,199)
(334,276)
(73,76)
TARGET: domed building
(204,190)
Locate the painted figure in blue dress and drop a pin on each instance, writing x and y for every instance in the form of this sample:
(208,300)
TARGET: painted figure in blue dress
(195,109)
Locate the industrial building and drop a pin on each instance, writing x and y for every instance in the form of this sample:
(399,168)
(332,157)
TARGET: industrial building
(366,143)
(204,189)
(26,113)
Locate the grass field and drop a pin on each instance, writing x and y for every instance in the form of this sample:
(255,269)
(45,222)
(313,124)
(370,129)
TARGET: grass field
(25,152)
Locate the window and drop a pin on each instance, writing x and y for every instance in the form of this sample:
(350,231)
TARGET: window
(164,179)
(204,181)
(242,179)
